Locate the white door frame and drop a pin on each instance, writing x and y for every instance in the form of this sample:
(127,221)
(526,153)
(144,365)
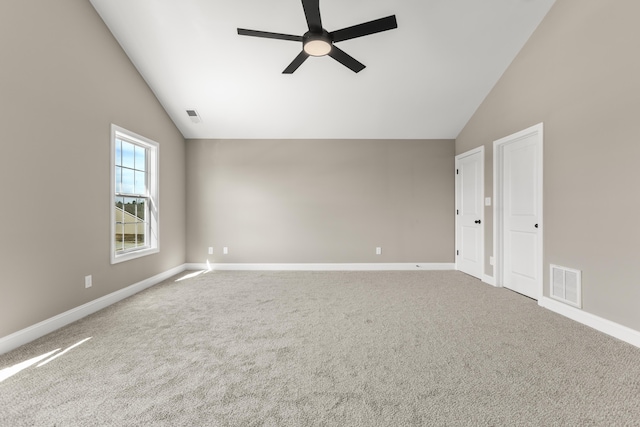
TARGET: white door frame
(481,186)
(498,213)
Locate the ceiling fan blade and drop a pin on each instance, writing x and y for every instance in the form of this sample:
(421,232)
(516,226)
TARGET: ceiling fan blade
(371,27)
(267,35)
(312,13)
(302,56)
(346,60)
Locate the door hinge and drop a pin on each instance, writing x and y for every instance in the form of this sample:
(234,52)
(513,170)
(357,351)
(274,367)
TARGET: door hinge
(457,252)
(457,212)
(457,171)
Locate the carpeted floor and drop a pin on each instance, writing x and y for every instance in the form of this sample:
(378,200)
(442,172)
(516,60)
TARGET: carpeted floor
(323,349)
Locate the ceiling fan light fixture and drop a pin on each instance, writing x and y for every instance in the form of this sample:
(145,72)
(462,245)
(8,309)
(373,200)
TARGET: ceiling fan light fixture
(317,47)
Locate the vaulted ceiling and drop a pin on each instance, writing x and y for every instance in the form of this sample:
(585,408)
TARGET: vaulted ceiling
(422,80)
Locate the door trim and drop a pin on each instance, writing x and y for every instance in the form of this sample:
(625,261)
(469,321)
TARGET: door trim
(477,150)
(498,212)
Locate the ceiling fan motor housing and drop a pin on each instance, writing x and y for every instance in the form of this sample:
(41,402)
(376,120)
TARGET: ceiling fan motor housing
(317,44)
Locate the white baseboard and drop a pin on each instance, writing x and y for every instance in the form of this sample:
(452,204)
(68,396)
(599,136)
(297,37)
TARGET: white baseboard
(41,329)
(322,266)
(608,327)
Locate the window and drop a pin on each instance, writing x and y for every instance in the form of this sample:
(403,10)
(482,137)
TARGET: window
(134,192)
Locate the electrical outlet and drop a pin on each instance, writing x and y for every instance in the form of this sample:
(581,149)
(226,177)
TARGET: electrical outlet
(87,281)
(210,250)
(378,251)
(225,250)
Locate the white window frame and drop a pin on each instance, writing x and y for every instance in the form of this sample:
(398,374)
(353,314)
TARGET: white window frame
(153,243)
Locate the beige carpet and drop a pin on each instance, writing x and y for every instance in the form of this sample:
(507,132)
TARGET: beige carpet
(323,349)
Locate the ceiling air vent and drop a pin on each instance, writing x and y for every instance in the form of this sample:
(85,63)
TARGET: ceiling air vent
(193,115)
(566,285)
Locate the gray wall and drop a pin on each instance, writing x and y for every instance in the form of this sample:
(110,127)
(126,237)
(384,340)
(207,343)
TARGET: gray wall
(63,80)
(326,201)
(579,74)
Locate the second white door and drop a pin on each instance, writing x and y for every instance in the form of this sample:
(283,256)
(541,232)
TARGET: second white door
(470,212)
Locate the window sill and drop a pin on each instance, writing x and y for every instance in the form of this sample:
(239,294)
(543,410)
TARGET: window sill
(115,259)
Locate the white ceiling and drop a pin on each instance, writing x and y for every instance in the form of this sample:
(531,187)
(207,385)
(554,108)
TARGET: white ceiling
(423,80)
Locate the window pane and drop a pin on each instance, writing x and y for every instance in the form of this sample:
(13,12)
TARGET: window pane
(119,226)
(129,209)
(141,158)
(141,182)
(128,154)
(118,152)
(119,204)
(118,179)
(140,241)
(141,209)
(119,243)
(127,181)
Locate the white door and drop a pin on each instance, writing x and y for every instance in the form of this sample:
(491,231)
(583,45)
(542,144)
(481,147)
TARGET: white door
(521,212)
(470,212)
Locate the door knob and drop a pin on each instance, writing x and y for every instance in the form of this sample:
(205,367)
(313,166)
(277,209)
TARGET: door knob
(536,226)
(477,221)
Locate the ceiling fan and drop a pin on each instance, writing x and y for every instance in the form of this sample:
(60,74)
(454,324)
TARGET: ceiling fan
(319,42)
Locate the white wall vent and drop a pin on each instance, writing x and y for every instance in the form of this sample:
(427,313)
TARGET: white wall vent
(566,285)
